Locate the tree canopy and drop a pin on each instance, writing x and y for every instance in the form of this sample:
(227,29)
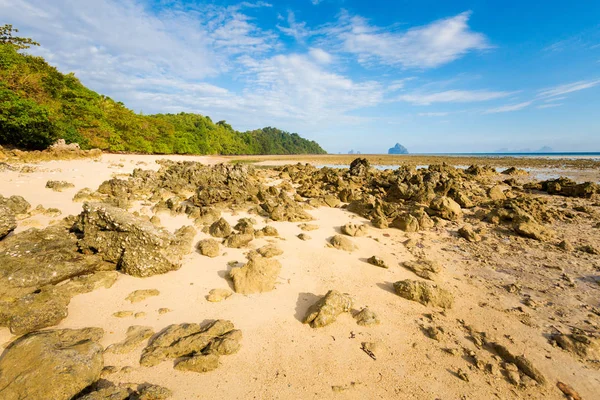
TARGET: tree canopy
(39,104)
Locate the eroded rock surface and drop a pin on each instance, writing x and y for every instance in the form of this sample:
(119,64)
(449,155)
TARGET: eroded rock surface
(328,308)
(258,275)
(425,293)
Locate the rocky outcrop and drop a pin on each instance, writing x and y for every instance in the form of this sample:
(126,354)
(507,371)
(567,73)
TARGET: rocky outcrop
(328,308)
(397,149)
(54,365)
(136,334)
(258,275)
(197,347)
(134,244)
(425,293)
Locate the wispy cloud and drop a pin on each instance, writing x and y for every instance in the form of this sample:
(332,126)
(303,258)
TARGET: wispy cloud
(428,46)
(568,88)
(297,30)
(508,108)
(551,105)
(452,96)
(433,114)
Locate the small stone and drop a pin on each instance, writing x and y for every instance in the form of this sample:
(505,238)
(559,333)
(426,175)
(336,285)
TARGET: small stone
(326,310)
(424,292)
(162,311)
(220,228)
(308,227)
(123,314)
(366,317)
(378,262)
(566,246)
(208,247)
(423,268)
(352,229)
(140,314)
(469,234)
(269,251)
(141,295)
(238,240)
(304,236)
(462,375)
(342,243)
(217,295)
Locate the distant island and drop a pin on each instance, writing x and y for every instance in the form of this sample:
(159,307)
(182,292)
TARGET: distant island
(398,149)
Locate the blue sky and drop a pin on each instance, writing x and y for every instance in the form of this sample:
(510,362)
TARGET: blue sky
(436,76)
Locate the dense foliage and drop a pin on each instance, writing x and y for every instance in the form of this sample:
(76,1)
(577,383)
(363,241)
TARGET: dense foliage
(38,105)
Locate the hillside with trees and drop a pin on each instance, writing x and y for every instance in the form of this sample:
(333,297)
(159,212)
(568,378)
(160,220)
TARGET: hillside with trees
(39,104)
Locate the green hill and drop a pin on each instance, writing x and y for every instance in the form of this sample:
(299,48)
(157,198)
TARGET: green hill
(39,104)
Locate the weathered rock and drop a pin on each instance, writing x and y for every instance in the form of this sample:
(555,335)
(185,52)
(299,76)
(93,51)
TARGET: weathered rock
(220,228)
(59,186)
(283,208)
(256,276)
(16,204)
(378,262)
(51,364)
(580,344)
(328,308)
(228,343)
(270,250)
(208,247)
(424,268)
(514,171)
(446,208)
(566,246)
(217,295)
(304,236)
(308,227)
(406,222)
(522,363)
(424,292)
(352,229)
(184,340)
(533,230)
(199,363)
(105,390)
(590,249)
(469,234)
(137,246)
(366,317)
(496,193)
(245,225)
(342,243)
(122,314)
(239,240)
(266,231)
(136,334)
(359,167)
(331,201)
(141,295)
(8,222)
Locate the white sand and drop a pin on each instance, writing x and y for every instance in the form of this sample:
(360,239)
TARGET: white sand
(281,357)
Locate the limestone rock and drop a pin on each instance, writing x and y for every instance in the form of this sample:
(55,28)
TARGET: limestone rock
(496,193)
(256,276)
(137,246)
(136,334)
(238,240)
(217,295)
(446,208)
(326,310)
(51,364)
(266,231)
(199,363)
(352,229)
(469,234)
(366,317)
(424,292)
(378,262)
(406,222)
(208,247)
(220,228)
(342,243)
(424,268)
(183,340)
(270,250)
(16,204)
(304,237)
(59,186)
(308,227)
(533,230)
(141,295)
(8,222)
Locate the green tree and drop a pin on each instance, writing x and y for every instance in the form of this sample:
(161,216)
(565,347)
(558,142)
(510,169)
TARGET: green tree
(6,37)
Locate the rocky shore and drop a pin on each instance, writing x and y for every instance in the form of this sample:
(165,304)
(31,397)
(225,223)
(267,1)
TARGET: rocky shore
(150,277)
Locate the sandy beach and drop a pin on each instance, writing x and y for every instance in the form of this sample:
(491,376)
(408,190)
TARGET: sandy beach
(518,290)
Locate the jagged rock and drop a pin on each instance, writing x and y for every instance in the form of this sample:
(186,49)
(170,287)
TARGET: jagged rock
(406,222)
(366,317)
(566,246)
(496,193)
(352,229)
(567,187)
(141,295)
(424,292)
(533,230)
(446,208)
(283,208)
(220,228)
(53,365)
(105,390)
(326,310)
(424,268)
(514,171)
(256,276)
(308,227)
(342,243)
(522,363)
(359,167)
(228,343)
(238,240)
(16,204)
(8,222)
(378,262)
(266,231)
(183,340)
(304,236)
(137,246)
(269,251)
(208,247)
(136,334)
(331,201)
(217,295)
(585,346)
(245,225)
(59,186)
(199,363)
(469,234)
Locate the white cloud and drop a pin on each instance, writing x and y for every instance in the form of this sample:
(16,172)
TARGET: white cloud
(320,55)
(568,88)
(451,96)
(428,46)
(297,30)
(551,105)
(433,114)
(509,108)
